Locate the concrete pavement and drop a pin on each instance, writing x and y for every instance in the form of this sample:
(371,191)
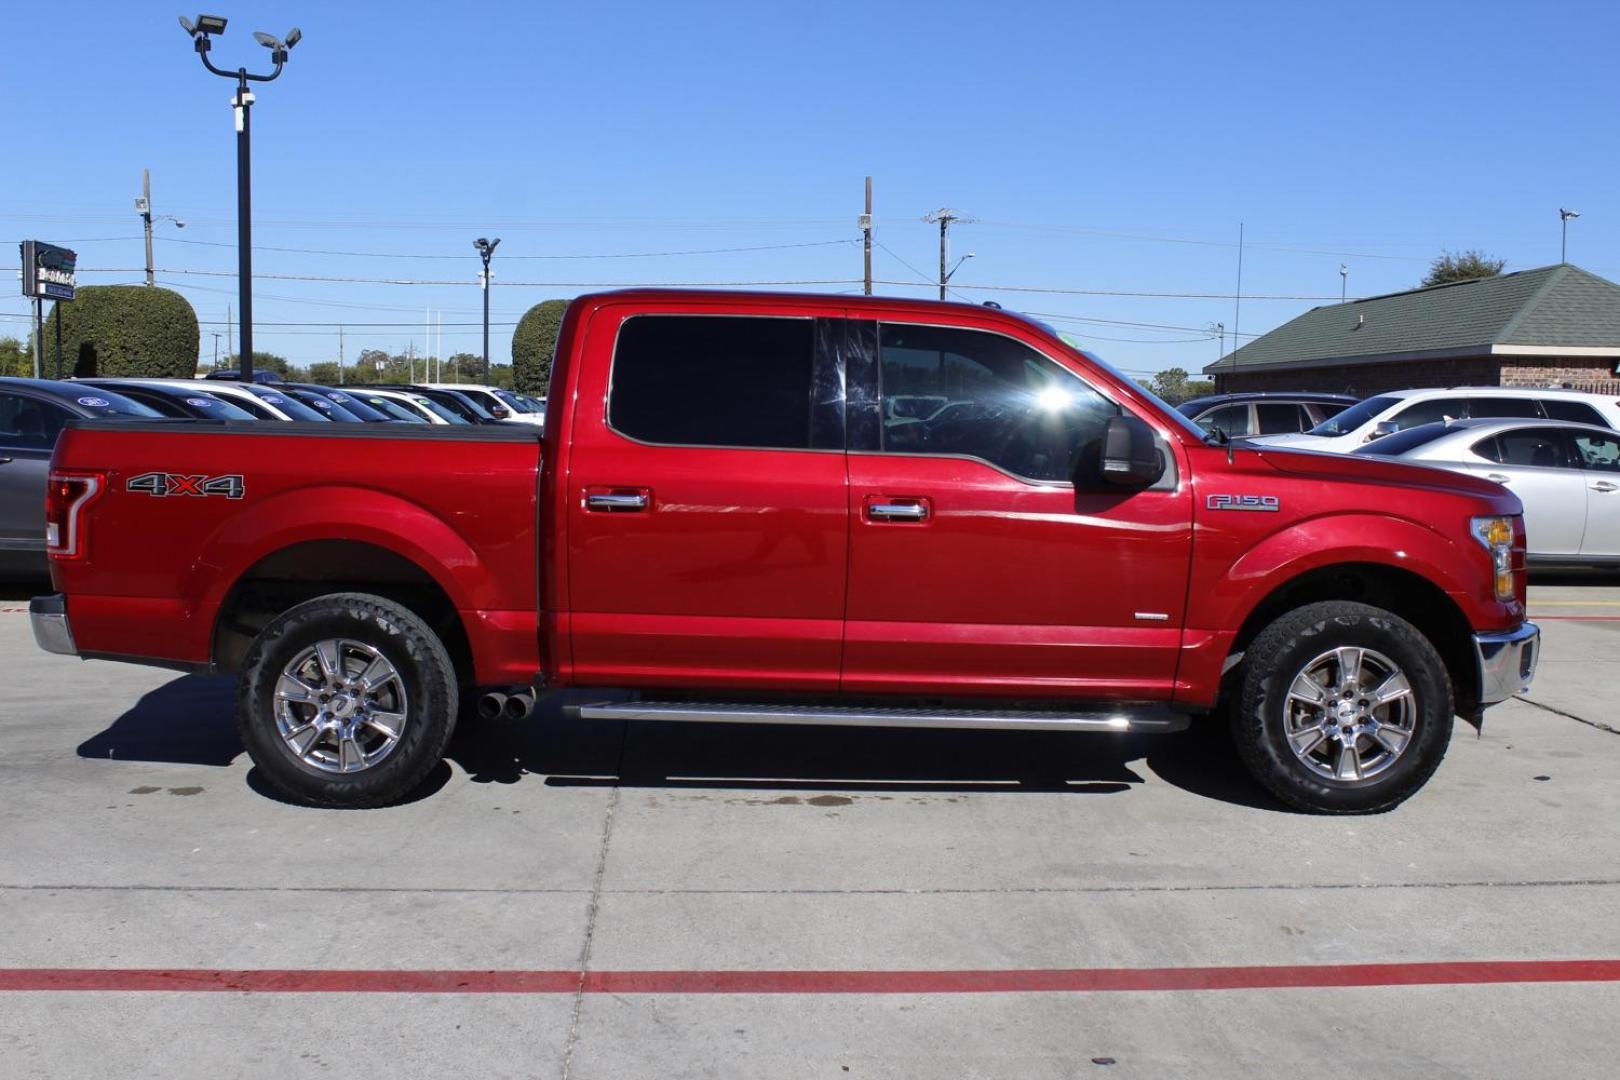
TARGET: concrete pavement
(133,835)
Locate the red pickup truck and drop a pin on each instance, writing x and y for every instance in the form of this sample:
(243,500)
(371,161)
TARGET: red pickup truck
(798,509)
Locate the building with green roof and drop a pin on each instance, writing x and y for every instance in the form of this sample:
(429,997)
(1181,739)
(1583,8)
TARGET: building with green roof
(1554,326)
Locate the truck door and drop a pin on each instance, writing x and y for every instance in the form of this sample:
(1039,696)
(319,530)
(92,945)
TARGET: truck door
(975,565)
(707,540)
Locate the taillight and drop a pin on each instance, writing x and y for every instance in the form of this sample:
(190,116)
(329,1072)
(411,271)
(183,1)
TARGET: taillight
(66,496)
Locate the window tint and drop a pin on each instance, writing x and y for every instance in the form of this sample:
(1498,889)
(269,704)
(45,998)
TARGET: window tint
(29,424)
(1578,411)
(1502,406)
(1529,448)
(1402,441)
(1003,401)
(1278,419)
(1347,421)
(1232,419)
(713,381)
(1431,411)
(1598,452)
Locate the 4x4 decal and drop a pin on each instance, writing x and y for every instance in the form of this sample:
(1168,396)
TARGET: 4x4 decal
(162,484)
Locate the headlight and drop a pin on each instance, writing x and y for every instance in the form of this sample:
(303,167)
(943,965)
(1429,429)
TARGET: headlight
(1496,533)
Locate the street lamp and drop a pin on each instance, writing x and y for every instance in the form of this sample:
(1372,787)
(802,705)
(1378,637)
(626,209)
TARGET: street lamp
(143,207)
(486,251)
(1563,243)
(1344,281)
(242,103)
(946,280)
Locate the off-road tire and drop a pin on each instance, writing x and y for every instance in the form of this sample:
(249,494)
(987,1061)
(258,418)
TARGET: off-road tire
(416,653)
(1280,652)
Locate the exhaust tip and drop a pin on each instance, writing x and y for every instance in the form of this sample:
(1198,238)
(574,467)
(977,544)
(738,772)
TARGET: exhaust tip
(492,705)
(519,706)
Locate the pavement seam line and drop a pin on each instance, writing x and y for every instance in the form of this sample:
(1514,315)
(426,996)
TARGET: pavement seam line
(1569,715)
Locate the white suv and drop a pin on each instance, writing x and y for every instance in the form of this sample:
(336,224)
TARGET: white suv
(508,405)
(1386,413)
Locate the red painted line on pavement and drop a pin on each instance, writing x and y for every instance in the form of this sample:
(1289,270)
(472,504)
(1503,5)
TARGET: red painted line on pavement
(13,611)
(1575,618)
(1039,980)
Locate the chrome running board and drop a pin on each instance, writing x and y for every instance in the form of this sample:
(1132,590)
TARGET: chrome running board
(1137,718)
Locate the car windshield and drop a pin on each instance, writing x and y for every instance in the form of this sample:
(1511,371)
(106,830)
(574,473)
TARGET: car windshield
(105,404)
(394,409)
(513,401)
(359,409)
(295,409)
(1402,441)
(449,416)
(1353,417)
(329,409)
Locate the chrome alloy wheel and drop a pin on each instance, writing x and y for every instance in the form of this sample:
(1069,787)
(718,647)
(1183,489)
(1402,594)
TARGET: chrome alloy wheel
(1350,714)
(340,706)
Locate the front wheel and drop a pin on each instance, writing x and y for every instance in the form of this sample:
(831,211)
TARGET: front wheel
(1344,709)
(346,700)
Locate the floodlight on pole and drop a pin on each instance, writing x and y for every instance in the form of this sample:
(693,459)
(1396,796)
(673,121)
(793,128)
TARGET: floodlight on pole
(486,251)
(1563,240)
(241,104)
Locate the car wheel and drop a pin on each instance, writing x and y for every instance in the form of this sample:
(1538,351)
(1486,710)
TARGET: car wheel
(346,700)
(1344,709)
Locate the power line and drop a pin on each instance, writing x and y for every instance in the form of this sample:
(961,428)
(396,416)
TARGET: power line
(508,258)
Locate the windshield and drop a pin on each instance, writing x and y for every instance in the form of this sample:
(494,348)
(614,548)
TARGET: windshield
(295,409)
(1353,417)
(329,409)
(513,401)
(447,415)
(1402,441)
(359,409)
(102,403)
(470,408)
(394,409)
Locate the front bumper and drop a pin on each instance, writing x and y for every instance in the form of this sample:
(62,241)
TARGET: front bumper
(1507,661)
(51,630)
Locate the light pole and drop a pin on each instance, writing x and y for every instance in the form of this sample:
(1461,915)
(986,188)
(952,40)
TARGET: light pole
(486,251)
(216,350)
(143,207)
(946,280)
(1344,281)
(945,218)
(1563,243)
(242,103)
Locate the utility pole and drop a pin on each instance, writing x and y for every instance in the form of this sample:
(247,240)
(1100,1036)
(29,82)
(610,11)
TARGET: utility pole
(945,218)
(340,355)
(146,219)
(229,346)
(39,338)
(216,348)
(1237,305)
(866,231)
(1220,335)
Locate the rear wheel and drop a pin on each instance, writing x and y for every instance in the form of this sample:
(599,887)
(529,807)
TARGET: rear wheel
(1344,708)
(346,700)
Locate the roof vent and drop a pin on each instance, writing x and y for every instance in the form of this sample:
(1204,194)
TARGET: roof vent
(1360,321)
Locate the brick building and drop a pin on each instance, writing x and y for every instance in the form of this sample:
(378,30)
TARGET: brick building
(1555,326)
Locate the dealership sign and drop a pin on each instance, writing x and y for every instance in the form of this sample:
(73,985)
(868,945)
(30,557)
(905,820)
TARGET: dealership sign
(47,271)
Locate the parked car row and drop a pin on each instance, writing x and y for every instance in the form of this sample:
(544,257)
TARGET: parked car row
(1558,450)
(33,412)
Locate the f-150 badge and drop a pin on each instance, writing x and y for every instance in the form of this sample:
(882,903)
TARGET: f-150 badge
(1268,503)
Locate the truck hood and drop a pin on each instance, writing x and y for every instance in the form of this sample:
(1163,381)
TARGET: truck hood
(1356,468)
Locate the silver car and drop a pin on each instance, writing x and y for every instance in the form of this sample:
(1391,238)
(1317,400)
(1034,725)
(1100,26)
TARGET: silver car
(1567,475)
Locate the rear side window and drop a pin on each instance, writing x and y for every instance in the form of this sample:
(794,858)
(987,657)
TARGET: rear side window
(713,381)
(1598,452)
(1503,407)
(1528,448)
(1431,411)
(1577,411)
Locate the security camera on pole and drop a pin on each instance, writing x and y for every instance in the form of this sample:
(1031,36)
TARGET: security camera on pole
(242,103)
(486,251)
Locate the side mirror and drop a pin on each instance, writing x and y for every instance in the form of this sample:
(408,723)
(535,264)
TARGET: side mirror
(499,412)
(1382,428)
(1130,453)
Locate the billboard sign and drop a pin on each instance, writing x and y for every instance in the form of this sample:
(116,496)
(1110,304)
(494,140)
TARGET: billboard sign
(48,271)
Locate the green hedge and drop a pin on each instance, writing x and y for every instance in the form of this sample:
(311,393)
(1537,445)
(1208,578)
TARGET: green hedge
(124,330)
(534,342)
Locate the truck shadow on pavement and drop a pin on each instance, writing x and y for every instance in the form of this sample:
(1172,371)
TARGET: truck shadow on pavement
(191,721)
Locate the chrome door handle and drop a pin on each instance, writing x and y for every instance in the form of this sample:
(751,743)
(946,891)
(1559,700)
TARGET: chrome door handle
(1498,477)
(1604,485)
(615,502)
(5,461)
(897,511)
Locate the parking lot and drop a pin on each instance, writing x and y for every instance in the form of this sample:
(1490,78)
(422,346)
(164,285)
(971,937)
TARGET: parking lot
(758,902)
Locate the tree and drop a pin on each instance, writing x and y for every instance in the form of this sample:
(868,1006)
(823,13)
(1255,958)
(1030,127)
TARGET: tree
(124,330)
(1450,266)
(15,359)
(534,342)
(263,361)
(325,372)
(1174,385)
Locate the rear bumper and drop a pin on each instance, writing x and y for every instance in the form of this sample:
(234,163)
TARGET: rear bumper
(51,631)
(1507,661)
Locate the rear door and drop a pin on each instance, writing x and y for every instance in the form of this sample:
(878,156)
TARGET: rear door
(28,430)
(1539,466)
(708,536)
(975,564)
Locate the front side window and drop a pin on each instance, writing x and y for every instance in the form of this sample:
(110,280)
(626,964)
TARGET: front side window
(1598,452)
(1350,419)
(29,424)
(1233,420)
(698,380)
(1432,411)
(1002,401)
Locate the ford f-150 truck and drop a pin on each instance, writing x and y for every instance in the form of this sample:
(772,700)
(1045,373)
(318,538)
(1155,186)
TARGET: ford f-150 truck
(798,509)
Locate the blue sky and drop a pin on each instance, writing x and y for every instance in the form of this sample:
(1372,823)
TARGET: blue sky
(1102,148)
